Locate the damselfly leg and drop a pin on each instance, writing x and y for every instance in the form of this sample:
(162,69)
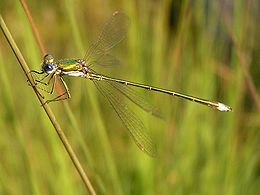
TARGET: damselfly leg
(48,83)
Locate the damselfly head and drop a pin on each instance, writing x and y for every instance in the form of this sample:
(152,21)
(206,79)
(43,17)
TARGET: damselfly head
(48,64)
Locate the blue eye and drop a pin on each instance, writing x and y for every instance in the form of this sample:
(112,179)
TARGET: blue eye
(47,67)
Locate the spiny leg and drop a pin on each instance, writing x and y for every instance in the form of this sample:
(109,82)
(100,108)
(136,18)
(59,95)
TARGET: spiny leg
(41,82)
(61,96)
(33,72)
(48,82)
(36,81)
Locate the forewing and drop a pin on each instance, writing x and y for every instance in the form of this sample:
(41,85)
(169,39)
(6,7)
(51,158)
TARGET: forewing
(113,32)
(132,95)
(105,60)
(133,124)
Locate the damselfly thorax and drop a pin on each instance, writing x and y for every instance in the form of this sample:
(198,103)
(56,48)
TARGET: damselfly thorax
(70,67)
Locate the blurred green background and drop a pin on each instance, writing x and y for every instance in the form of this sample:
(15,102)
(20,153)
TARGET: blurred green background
(203,48)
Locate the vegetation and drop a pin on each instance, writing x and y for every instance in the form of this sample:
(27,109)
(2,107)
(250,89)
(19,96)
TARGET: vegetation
(203,48)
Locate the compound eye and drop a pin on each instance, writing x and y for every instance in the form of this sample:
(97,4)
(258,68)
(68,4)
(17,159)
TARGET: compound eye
(47,68)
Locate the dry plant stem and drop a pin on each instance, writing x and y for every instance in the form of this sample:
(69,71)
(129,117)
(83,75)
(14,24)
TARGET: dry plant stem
(47,109)
(35,31)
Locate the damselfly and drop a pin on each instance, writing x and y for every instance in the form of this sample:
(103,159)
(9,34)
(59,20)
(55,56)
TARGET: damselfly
(112,89)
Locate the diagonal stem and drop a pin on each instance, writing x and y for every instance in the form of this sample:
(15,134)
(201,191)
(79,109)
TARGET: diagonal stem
(47,109)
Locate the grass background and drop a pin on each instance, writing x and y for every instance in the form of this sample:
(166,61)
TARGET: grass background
(205,48)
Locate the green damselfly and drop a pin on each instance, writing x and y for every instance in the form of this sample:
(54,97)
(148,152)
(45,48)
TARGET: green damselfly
(113,89)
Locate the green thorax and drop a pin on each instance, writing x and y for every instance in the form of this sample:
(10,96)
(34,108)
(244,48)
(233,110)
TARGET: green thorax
(69,65)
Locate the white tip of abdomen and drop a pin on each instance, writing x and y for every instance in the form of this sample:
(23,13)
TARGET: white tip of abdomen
(223,107)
